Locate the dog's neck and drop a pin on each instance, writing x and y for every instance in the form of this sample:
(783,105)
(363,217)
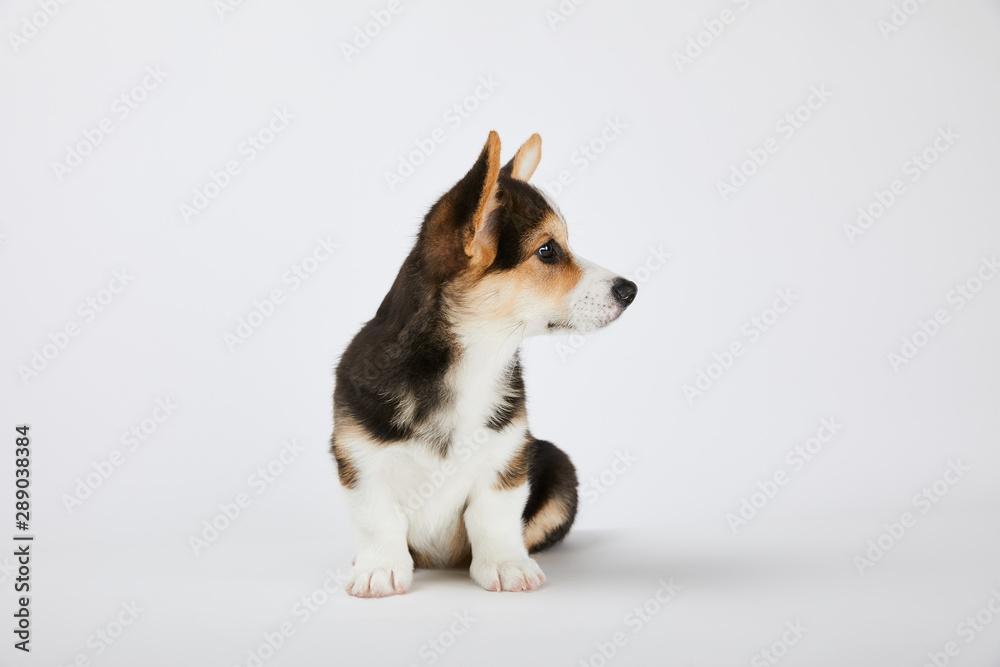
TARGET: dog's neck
(486,376)
(493,347)
(487,359)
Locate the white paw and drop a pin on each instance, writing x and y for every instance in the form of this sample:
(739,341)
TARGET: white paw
(379,582)
(513,575)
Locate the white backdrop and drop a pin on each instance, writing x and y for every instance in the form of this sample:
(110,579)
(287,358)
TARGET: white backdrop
(172,171)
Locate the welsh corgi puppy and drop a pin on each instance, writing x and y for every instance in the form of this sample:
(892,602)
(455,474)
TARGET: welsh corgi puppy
(430,429)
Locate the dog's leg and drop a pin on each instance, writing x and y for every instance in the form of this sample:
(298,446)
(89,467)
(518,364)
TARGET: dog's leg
(500,560)
(383,565)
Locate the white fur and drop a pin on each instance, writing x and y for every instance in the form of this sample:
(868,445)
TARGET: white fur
(591,304)
(410,494)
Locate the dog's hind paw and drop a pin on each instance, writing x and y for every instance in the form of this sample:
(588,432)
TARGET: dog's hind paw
(513,575)
(379,582)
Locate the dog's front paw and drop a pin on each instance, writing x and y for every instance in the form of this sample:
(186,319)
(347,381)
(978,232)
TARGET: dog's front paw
(513,575)
(379,581)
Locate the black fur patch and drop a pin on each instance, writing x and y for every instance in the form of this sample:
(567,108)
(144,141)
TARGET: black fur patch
(522,211)
(398,359)
(512,403)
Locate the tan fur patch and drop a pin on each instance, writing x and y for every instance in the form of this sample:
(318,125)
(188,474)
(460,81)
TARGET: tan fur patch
(527,158)
(346,470)
(459,546)
(502,296)
(552,515)
(480,246)
(515,472)
(344,429)
(558,280)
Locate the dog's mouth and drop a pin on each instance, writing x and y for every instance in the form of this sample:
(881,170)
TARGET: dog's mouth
(566,326)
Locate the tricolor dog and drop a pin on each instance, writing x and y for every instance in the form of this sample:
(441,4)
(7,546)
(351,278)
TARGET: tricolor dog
(430,432)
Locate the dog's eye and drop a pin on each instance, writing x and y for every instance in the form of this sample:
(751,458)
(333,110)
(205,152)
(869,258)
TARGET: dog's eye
(547,253)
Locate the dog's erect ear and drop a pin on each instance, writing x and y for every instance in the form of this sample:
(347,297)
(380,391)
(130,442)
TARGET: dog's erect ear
(456,230)
(482,186)
(524,163)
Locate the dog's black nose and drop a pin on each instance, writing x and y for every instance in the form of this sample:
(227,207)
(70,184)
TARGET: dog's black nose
(624,291)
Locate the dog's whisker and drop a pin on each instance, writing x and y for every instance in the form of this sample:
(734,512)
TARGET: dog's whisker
(504,343)
(489,296)
(516,324)
(513,367)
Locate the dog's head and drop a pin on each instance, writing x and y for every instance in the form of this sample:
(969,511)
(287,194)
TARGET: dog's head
(501,249)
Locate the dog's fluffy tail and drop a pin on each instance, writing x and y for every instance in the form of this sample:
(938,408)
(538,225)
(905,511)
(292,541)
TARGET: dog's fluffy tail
(552,502)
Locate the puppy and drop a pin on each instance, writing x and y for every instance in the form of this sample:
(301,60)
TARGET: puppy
(430,428)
